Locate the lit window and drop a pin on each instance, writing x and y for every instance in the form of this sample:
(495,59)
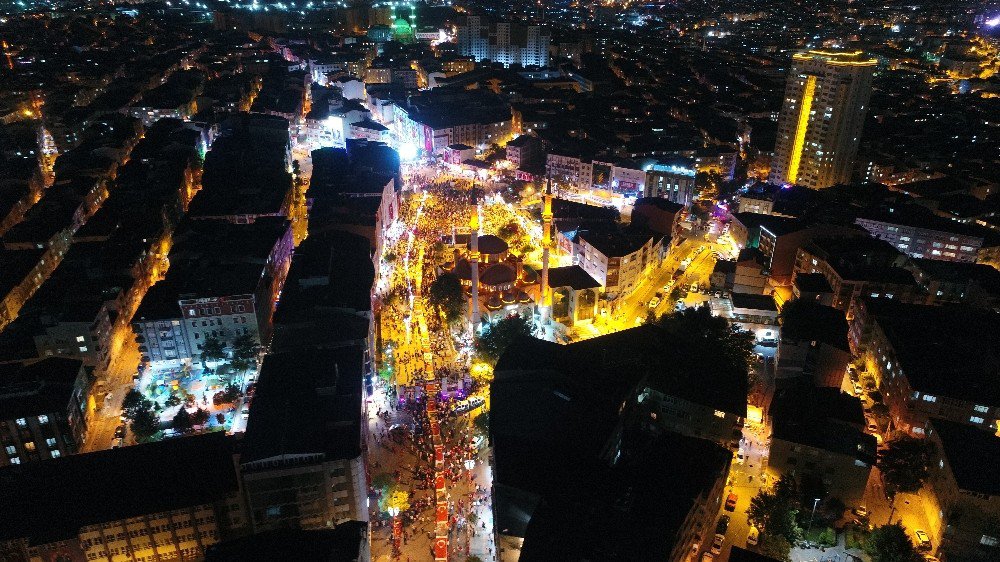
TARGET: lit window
(720,414)
(982,409)
(11,450)
(43,419)
(976,419)
(989,541)
(79,339)
(929,398)
(15,460)
(30,446)
(918,430)
(21,422)
(55,454)
(83,349)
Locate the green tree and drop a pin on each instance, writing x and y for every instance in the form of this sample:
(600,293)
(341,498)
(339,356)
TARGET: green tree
(245,350)
(905,463)
(482,423)
(497,336)
(447,296)
(212,349)
(173,400)
(889,543)
(697,325)
(132,403)
(775,546)
(200,417)
(182,421)
(144,424)
(773,511)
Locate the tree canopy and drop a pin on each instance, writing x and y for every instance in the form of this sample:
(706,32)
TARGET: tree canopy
(889,543)
(699,329)
(212,349)
(446,295)
(497,336)
(905,463)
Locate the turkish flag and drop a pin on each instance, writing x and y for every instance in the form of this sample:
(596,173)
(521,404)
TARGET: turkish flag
(441,548)
(442,512)
(439,482)
(439,453)
(435,428)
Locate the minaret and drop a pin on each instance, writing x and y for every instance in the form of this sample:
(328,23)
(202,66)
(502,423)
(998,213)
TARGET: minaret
(544,293)
(474,262)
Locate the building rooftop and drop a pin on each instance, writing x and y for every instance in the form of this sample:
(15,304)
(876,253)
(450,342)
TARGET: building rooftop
(112,485)
(320,390)
(812,283)
(615,245)
(822,418)
(971,453)
(950,351)
(774,224)
(42,387)
(660,203)
(805,320)
(572,276)
(752,301)
(918,216)
(343,543)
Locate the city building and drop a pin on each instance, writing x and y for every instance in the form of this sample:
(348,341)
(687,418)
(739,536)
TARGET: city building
(347,542)
(859,267)
(824,109)
(671,181)
(619,261)
(813,344)
(659,215)
(43,409)
(964,491)
(818,435)
(165,500)
(919,233)
(574,295)
(569,442)
(306,479)
(930,362)
(524,150)
(503,42)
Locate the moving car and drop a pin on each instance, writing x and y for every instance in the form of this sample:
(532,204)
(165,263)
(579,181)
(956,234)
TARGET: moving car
(731,502)
(752,537)
(654,302)
(923,541)
(717,544)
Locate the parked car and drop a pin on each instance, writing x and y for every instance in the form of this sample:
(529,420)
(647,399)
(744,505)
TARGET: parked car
(872,426)
(860,511)
(120,432)
(722,526)
(731,502)
(923,541)
(654,302)
(752,537)
(707,557)
(717,544)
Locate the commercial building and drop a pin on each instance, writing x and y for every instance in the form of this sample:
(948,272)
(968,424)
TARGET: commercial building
(43,409)
(503,42)
(931,362)
(571,438)
(826,100)
(169,500)
(306,478)
(818,435)
(671,181)
(524,150)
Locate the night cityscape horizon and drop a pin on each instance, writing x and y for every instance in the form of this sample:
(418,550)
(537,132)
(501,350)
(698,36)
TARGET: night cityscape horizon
(477,281)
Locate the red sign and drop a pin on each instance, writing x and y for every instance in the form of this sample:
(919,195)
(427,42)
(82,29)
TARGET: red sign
(435,428)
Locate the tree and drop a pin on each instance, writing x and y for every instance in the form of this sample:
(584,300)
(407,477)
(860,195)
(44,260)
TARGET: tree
(182,421)
(244,353)
(172,400)
(905,463)
(212,349)
(698,328)
(482,423)
(144,424)
(200,417)
(889,543)
(447,296)
(395,498)
(132,403)
(775,546)
(773,512)
(496,337)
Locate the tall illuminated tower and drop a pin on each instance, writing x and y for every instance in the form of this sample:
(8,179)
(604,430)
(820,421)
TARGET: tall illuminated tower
(474,262)
(826,100)
(544,293)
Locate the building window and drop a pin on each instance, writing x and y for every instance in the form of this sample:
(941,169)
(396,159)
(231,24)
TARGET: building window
(15,460)
(55,454)
(982,409)
(79,339)
(989,541)
(976,419)
(929,398)
(720,414)
(83,349)
(11,450)
(21,422)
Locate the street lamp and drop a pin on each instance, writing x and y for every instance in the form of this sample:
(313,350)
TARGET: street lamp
(815,503)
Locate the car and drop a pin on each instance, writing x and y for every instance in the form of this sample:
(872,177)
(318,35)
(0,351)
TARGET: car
(654,302)
(694,287)
(860,511)
(740,458)
(718,294)
(923,541)
(752,537)
(707,557)
(929,558)
(872,427)
(476,401)
(717,544)
(116,442)
(120,432)
(722,526)
(731,502)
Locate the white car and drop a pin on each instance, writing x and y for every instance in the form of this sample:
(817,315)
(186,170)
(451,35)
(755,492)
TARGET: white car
(717,544)
(752,537)
(654,302)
